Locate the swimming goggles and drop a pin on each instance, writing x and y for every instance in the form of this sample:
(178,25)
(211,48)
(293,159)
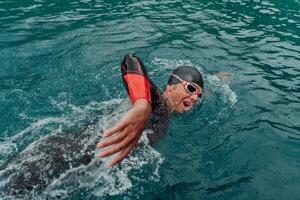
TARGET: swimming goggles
(190,87)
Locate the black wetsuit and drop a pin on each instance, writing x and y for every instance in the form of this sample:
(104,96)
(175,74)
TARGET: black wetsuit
(53,155)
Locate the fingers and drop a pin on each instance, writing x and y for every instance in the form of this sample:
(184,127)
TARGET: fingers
(112,140)
(116,128)
(123,153)
(117,147)
(123,136)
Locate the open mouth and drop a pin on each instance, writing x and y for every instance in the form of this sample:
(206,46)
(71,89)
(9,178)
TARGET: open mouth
(187,104)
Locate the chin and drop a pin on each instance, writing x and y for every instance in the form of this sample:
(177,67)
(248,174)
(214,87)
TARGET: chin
(185,108)
(182,110)
(178,110)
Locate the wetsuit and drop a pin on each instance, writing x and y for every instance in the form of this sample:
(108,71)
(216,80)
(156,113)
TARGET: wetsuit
(48,158)
(138,85)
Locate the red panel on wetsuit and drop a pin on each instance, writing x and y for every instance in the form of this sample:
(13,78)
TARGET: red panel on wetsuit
(138,87)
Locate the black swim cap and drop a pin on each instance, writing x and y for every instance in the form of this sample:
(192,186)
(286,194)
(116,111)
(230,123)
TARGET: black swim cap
(187,73)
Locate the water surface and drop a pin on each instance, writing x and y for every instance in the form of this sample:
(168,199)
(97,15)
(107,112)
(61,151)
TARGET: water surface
(59,69)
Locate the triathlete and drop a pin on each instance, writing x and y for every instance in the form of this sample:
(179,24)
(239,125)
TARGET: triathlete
(184,89)
(36,167)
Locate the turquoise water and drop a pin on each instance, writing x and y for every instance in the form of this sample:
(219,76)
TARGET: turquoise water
(59,69)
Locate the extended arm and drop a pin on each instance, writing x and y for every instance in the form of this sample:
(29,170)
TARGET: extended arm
(123,137)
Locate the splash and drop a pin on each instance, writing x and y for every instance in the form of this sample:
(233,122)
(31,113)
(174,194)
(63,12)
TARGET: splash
(222,86)
(93,177)
(77,115)
(101,181)
(173,64)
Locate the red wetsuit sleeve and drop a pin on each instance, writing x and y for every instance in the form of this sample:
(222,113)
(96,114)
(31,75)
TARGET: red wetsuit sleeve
(135,78)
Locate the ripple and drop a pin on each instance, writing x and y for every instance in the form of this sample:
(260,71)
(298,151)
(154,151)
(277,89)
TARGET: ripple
(57,57)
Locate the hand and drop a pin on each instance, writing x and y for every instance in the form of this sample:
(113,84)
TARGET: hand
(125,135)
(224,76)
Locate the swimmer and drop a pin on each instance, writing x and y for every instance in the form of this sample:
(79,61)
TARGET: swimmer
(36,167)
(150,108)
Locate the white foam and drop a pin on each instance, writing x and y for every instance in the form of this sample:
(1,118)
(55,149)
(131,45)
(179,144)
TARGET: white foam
(103,181)
(228,94)
(78,114)
(8,146)
(95,176)
(172,64)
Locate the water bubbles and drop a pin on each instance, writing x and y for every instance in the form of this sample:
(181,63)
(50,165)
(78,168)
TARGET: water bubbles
(93,177)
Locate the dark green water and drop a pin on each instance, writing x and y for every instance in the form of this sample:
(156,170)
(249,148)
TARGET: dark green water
(59,69)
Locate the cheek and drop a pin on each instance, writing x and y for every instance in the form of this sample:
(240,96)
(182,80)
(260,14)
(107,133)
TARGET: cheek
(174,95)
(179,94)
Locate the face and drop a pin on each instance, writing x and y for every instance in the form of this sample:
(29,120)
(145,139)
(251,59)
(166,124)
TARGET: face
(179,100)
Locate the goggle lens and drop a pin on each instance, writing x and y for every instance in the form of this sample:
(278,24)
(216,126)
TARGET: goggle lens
(190,88)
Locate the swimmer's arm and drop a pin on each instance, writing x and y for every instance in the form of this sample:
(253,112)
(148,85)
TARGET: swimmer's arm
(123,137)
(135,78)
(224,76)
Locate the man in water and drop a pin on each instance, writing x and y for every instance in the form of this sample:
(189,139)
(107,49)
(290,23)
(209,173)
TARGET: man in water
(36,167)
(184,89)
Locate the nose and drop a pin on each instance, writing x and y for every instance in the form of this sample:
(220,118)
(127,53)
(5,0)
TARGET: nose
(195,97)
